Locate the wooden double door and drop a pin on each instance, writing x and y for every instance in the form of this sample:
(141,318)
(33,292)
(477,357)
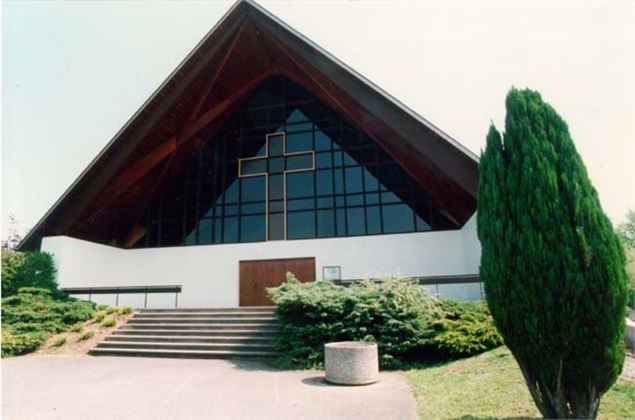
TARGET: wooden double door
(257,275)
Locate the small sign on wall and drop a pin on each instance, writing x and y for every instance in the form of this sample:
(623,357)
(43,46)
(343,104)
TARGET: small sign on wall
(333,272)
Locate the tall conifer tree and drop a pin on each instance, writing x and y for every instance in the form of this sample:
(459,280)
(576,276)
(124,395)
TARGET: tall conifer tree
(552,265)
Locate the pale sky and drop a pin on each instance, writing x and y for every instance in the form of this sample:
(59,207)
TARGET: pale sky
(74,72)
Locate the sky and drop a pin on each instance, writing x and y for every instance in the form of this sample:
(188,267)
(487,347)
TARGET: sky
(73,73)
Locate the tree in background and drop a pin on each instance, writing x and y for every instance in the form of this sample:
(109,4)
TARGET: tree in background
(14,237)
(27,269)
(551,262)
(626,232)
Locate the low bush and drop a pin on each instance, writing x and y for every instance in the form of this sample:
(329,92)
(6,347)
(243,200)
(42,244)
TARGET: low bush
(125,310)
(77,327)
(111,310)
(32,314)
(59,342)
(466,329)
(101,307)
(396,314)
(109,323)
(408,325)
(14,344)
(35,306)
(87,335)
(100,317)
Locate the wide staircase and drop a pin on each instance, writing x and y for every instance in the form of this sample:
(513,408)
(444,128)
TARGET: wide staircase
(248,332)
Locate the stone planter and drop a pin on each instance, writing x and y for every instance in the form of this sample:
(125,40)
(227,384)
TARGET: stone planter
(351,363)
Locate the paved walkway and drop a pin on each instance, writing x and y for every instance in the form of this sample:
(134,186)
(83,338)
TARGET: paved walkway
(83,387)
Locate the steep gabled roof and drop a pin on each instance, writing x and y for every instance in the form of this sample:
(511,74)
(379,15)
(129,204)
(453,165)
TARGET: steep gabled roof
(244,48)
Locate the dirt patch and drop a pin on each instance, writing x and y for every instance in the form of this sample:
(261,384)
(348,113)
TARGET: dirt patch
(76,347)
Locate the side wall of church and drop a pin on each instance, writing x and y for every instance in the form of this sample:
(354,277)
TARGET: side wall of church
(209,273)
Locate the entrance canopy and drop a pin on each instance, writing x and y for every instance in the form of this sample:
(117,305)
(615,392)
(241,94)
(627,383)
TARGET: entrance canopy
(247,47)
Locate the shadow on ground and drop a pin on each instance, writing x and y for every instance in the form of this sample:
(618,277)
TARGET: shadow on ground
(252,365)
(317,380)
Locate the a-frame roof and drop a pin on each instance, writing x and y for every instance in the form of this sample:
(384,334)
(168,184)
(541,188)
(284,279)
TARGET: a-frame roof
(244,48)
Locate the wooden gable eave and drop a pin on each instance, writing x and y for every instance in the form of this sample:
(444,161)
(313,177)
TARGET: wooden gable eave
(78,197)
(458,163)
(452,201)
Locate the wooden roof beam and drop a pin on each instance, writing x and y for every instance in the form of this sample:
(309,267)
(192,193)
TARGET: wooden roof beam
(205,94)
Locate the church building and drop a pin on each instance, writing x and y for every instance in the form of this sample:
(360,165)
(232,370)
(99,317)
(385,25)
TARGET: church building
(260,154)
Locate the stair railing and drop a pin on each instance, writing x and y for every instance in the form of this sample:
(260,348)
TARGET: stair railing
(117,290)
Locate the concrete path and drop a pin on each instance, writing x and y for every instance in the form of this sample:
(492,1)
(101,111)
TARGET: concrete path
(83,387)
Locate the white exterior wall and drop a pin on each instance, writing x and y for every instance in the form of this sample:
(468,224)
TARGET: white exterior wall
(209,273)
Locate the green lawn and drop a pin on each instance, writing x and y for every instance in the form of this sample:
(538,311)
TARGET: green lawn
(491,386)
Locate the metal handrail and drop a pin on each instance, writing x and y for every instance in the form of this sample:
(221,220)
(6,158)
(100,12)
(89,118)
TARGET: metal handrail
(117,290)
(427,281)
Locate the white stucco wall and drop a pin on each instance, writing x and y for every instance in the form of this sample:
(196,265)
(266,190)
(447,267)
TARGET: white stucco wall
(209,273)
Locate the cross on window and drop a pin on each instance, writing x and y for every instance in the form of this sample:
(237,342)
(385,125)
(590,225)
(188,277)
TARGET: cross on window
(274,166)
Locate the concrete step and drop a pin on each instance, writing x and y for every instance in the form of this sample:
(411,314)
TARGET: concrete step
(270,309)
(142,345)
(195,333)
(205,320)
(208,332)
(271,327)
(191,339)
(192,354)
(151,315)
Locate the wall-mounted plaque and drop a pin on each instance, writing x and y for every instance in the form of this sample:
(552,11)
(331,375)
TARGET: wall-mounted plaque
(333,272)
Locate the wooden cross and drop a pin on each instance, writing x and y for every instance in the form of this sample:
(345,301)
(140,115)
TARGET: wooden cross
(274,166)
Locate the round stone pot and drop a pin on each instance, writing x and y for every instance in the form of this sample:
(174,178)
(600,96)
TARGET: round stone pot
(351,363)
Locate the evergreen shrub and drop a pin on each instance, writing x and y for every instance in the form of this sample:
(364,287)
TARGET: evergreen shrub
(32,314)
(552,265)
(77,327)
(87,335)
(394,314)
(466,329)
(60,342)
(109,323)
(397,314)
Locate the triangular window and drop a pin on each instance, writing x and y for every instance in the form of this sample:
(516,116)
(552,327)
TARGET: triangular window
(286,166)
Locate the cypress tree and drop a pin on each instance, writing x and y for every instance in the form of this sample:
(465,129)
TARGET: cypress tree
(551,262)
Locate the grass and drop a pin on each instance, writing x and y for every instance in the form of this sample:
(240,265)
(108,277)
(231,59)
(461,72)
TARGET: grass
(100,317)
(491,386)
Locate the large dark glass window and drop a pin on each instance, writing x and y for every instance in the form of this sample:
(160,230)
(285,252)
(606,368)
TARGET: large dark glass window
(287,167)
